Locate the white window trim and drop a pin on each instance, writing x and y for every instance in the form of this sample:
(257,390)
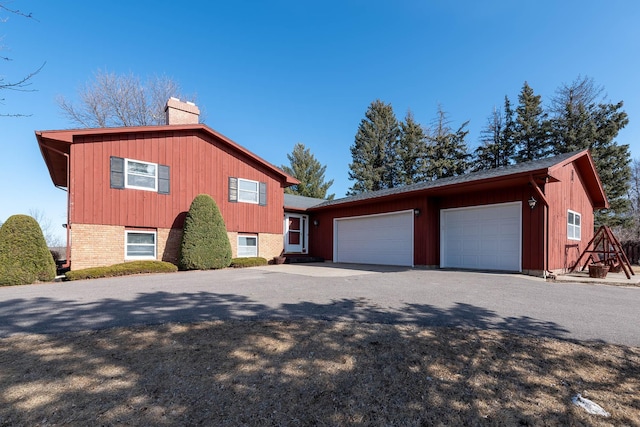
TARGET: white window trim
(255,236)
(126,244)
(569,226)
(137,187)
(257,192)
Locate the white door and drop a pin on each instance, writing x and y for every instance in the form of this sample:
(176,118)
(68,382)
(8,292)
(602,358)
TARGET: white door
(295,233)
(385,239)
(482,237)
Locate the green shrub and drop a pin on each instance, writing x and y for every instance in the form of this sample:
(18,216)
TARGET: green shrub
(205,243)
(24,256)
(248,262)
(124,269)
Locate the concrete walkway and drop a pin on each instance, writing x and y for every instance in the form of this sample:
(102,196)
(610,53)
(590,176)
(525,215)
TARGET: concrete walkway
(326,291)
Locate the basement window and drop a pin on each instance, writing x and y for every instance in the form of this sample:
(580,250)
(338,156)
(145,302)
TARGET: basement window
(140,244)
(247,246)
(574,225)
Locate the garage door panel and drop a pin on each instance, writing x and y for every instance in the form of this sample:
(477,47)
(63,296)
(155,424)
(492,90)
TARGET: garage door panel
(483,237)
(377,239)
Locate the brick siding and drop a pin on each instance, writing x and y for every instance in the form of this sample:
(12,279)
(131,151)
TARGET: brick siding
(99,245)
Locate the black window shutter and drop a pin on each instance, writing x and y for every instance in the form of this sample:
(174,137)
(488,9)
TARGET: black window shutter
(263,194)
(163,179)
(117,172)
(233,189)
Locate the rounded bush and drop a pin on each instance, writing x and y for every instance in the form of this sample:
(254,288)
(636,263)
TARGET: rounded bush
(123,269)
(24,255)
(205,243)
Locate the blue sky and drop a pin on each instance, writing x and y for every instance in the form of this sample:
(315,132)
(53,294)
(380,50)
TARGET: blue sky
(271,74)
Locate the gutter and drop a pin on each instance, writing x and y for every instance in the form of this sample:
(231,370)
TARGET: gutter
(545,245)
(67,264)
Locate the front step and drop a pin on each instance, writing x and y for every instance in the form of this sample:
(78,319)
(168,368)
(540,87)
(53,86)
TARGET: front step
(293,259)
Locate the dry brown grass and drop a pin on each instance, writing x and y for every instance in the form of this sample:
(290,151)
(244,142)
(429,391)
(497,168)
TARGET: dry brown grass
(311,373)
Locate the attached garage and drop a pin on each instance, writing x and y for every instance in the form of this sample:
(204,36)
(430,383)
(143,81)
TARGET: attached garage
(482,237)
(385,239)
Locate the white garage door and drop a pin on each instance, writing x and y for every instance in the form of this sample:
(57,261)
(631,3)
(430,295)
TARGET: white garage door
(482,237)
(385,239)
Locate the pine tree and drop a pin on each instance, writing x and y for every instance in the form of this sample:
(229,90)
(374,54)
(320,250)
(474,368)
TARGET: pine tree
(373,152)
(447,150)
(584,120)
(411,151)
(509,132)
(489,154)
(612,162)
(497,140)
(306,169)
(531,127)
(573,108)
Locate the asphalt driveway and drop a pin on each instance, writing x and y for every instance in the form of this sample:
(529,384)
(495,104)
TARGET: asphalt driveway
(508,302)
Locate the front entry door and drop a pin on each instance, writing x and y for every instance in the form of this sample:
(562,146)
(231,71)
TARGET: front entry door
(295,233)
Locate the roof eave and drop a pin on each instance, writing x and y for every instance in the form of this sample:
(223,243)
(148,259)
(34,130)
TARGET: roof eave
(68,137)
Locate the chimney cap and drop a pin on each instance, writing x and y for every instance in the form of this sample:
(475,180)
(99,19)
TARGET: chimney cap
(181,113)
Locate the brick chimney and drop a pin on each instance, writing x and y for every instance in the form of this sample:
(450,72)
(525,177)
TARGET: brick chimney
(181,113)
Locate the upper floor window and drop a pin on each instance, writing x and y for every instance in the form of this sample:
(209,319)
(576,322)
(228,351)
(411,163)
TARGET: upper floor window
(141,175)
(573,225)
(247,191)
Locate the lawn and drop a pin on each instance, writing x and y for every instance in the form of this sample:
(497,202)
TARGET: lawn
(311,373)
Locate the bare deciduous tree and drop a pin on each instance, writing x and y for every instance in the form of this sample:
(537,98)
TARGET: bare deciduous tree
(53,240)
(634,201)
(20,85)
(113,100)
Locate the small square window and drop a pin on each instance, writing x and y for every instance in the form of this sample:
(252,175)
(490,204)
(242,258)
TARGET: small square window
(247,191)
(141,175)
(140,245)
(247,246)
(574,226)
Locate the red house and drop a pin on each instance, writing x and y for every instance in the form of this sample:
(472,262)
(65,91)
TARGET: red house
(531,217)
(129,188)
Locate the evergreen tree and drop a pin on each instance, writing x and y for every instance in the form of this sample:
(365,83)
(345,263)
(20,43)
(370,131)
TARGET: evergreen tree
(573,108)
(411,151)
(489,154)
(373,152)
(612,162)
(531,127)
(583,119)
(306,169)
(509,132)
(447,150)
(497,140)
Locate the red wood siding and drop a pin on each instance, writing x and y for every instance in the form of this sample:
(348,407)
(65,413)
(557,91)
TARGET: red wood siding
(542,247)
(532,242)
(427,224)
(198,162)
(321,236)
(568,194)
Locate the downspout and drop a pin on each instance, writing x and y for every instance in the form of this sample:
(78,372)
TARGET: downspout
(545,244)
(68,227)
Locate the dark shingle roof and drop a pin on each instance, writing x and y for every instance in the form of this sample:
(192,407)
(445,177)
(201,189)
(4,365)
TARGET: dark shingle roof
(293,201)
(520,168)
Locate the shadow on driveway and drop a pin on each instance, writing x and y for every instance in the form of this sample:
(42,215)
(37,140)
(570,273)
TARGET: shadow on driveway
(47,315)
